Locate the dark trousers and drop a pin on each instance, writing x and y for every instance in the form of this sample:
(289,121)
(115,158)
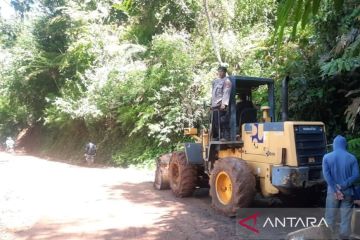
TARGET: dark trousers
(220,121)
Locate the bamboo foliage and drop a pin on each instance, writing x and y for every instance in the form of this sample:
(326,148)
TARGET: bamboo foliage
(295,12)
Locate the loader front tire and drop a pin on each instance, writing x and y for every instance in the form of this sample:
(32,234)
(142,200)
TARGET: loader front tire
(182,176)
(232,185)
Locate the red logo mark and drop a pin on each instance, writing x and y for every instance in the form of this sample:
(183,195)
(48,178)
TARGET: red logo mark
(253,217)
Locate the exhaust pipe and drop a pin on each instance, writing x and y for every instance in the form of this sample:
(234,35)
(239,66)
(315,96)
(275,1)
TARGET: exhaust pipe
(285,99)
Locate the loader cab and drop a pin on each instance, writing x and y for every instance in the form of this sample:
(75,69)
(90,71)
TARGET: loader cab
(240,113)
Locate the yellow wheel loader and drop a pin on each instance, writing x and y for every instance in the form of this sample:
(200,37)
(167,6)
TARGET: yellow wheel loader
(260,154)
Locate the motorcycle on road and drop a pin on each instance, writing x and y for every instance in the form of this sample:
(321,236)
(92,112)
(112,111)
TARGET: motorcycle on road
(89,158)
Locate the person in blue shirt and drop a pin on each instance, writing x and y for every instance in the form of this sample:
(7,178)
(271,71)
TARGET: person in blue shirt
(341,171)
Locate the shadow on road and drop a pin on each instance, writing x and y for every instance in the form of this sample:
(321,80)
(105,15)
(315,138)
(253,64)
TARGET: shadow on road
(183,218)
(110,204)
(161,216)
(58,232)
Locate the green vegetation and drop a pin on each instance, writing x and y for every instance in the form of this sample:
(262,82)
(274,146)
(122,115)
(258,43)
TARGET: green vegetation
(131,74)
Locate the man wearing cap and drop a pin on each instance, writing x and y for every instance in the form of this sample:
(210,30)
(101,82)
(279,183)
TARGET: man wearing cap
(221,89)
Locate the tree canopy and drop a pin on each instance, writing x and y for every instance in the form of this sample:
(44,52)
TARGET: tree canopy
(134,73)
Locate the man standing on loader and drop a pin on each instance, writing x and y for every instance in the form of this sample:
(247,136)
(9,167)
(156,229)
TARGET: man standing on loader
(341,170)
(221,89)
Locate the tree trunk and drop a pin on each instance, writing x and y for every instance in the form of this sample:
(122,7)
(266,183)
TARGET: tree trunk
(211,31)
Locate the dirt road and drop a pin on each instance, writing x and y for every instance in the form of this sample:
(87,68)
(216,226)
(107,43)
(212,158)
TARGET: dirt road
(42,199)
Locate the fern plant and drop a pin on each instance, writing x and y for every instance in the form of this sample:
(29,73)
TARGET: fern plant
(354,147)
(353,110)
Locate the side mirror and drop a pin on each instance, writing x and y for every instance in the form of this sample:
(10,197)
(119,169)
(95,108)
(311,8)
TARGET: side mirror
(190,131)
(206,105)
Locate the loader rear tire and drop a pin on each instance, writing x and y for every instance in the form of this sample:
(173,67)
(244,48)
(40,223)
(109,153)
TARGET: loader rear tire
(182,176)
(232,185)
(162,172)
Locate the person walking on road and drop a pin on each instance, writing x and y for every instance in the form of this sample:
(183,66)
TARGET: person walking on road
(90,152)
(341,171)
(10,144)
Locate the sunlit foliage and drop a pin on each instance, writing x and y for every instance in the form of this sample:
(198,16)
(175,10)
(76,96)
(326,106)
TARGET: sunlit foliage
(132,74)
